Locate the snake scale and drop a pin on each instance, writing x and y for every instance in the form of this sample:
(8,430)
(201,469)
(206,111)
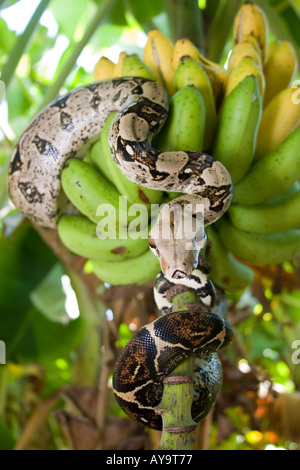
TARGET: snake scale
(67,128)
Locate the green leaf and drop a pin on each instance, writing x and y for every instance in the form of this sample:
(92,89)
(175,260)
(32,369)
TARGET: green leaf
(18,99)
(9,3)
(266,334)
(69,14)
(7,442)
(7,37)
(48,297)
(117,15)
(38,339)
(28,335)
(145,11)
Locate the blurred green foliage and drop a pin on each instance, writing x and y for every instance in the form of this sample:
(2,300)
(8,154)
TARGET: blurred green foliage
(34,323)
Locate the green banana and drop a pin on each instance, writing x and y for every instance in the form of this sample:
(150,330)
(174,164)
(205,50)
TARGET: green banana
(79,235)
(270,217)
(101,156)
(189,72)
(133,66)
(87,189)
(184,128)
(293,189)
(139,270)
(227,272)
(272,174)
(274,248)
(237,129)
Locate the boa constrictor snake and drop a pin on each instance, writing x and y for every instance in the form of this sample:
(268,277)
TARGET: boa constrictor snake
(67,128)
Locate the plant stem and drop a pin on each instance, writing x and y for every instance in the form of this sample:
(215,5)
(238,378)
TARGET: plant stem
(185,20)
(221,27)
(21,44)
(103,9)
(88,359)
(178,393)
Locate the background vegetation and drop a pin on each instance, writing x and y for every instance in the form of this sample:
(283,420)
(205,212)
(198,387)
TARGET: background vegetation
(62,327)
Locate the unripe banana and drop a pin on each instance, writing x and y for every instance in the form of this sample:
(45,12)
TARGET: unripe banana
(227,272)
(87,189)
(79,235)
(245,68)
(279,69)
(101,156)
(244,48)
(184,128)
(235,139)
(104,69)
(279,119)
(251,20)
(119,64)
(158,53)
(290,191)
(139,270)
(189,72)
(272,248)
(272,174)
(215,72)
(133,66)
(270,217)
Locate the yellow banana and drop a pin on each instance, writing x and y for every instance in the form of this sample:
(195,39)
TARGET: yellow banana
(119,64)
(280,117)
(246,67)
(279,69)
(104,69)
(251,20)
(133,66)
(244,48)
(253,41)
(158,53)
(189,72)
(215,72)
(184,47)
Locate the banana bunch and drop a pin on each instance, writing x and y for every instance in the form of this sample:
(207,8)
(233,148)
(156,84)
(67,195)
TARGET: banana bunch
(262,224)
(246,114)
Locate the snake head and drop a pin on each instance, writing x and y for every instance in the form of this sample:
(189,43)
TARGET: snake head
(178,250)
(175,261)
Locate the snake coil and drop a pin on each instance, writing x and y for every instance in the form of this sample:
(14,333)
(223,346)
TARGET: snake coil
(67,128)
(157,348)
